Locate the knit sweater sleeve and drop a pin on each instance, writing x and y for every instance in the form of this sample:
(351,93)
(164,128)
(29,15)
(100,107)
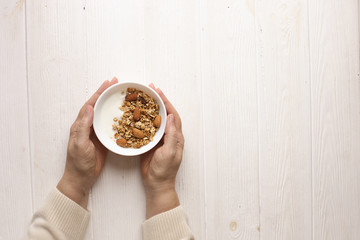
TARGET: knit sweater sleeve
(59,218)
(62,219)
(170,225)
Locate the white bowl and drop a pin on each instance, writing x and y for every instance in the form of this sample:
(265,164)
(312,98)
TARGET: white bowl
(107,107)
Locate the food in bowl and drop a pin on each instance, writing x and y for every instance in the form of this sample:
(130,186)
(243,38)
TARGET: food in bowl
(139,122)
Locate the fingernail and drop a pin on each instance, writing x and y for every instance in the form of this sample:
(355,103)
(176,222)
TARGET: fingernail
(171,118)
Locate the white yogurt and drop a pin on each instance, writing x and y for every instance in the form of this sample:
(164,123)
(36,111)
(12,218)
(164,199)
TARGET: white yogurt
(109,111)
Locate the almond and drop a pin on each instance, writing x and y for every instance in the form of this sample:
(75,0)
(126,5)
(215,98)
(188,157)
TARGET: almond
(143,101)
(157,121)
(137,133)
(136,113)
(131,97)
(121,142)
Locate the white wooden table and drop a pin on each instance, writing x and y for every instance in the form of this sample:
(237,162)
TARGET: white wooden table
(268,91)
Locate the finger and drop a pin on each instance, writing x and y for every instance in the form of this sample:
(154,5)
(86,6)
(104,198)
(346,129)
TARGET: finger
(152,86)
(114,81)
(97,142)
(170,139)
(102,150)
(92,100)
(101,89)
(170,108)
(84,127)
(96,95)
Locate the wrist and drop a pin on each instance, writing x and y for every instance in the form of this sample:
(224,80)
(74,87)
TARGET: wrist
(160,200)
(74,189)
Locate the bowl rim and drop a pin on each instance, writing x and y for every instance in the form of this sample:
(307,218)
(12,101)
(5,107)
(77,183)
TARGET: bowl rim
(138,151)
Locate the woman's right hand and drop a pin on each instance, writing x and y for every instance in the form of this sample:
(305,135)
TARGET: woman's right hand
(159,166)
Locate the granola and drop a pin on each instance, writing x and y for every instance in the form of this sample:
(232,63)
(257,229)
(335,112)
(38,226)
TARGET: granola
(137,126)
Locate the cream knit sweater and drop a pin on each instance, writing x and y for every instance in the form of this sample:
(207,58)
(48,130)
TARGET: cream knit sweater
(62,219)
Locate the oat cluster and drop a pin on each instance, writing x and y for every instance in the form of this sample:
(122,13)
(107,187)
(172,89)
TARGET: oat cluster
(139,122)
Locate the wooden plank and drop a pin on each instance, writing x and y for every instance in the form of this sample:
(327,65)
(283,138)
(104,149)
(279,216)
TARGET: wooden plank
(284,119)
(57,86)
(230,121)
(115,47)
(15,172)
(172,63)
(117,201)
(335,94)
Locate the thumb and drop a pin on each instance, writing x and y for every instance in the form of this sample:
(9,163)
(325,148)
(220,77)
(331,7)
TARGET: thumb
(85,123)
(170,132)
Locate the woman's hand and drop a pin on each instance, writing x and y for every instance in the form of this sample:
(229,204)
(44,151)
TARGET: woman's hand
(85,155)
(159,166)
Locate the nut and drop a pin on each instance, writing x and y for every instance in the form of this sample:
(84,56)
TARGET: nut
(131,97)
(143,101)
(144,123)
(157,121)
(121,142)
(137,133)
(137,114)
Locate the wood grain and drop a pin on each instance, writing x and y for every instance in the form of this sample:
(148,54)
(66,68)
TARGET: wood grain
(335,94)
(15,171)
(284,119)
(230,121)
(268,92)
(114,42)
(117,202)
(172,63)
(57,86)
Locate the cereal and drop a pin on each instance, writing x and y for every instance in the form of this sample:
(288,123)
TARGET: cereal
(139,122)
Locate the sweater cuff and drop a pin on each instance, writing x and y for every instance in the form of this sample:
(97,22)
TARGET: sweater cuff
(64,214)
(167,225)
